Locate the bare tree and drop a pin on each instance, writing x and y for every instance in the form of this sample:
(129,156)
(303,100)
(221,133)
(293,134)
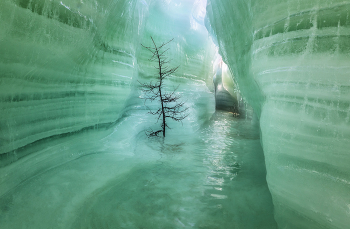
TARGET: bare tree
(170,106)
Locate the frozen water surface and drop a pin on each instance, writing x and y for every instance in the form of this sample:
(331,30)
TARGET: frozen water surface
(211,178)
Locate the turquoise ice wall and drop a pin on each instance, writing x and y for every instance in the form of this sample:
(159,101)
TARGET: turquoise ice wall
(71,65)
(291,61)
(65,66)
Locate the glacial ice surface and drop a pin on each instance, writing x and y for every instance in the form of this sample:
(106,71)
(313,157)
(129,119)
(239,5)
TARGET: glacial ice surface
(290,59)
(212,176)
(73,152)
(72,148)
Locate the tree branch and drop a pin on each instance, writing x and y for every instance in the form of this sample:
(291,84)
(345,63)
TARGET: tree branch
(153,91)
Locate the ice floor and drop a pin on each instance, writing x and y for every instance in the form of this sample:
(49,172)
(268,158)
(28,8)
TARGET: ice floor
(214,178)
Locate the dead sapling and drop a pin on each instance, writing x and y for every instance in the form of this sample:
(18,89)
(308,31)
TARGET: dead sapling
(170,105)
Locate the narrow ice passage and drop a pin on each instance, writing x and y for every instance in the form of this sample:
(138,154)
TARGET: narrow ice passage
(73,153)
(213,179)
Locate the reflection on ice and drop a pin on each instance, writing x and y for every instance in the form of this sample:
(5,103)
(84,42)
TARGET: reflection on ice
(236,192)
(188,181)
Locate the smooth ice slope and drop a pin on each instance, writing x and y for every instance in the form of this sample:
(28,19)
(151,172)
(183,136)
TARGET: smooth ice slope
(291,61)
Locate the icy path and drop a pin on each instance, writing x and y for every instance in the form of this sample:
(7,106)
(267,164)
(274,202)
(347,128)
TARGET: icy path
(212,179)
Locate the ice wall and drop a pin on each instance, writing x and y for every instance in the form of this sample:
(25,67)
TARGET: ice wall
(65,65)
(71,65)
(68,66)
(291,59)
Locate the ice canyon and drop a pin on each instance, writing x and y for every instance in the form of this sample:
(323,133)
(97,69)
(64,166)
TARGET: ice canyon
(73,153)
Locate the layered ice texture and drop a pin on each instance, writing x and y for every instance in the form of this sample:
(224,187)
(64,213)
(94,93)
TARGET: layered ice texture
(56,67)
(70,65)
(72,147)
(291,61)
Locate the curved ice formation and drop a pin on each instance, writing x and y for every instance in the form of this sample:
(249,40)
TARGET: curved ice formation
(56,61)
(291,61)
(69,65)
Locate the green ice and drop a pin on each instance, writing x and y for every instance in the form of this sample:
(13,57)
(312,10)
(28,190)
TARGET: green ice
(211,178)
(290,59)
(73,153)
